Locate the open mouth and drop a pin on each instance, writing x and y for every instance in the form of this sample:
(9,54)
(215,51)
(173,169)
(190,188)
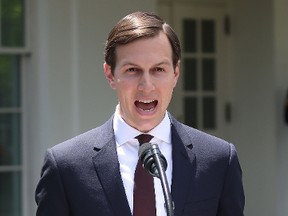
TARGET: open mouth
(146,105)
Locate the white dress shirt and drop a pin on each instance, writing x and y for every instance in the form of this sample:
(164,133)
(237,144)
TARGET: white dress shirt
(127,151)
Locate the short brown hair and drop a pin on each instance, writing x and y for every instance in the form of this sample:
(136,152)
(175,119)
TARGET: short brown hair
(139,25)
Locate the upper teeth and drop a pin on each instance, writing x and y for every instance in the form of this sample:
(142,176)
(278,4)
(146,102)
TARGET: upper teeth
(146,101)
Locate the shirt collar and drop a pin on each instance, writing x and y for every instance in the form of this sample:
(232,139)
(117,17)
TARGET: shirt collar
(163,130)
(124,132)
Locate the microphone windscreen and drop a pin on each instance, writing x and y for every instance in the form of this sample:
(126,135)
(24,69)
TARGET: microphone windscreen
(143,148)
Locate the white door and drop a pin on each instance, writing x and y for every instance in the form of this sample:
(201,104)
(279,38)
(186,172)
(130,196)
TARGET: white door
(200,95)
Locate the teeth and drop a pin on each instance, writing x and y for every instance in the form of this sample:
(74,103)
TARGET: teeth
(147,110)
(146,101)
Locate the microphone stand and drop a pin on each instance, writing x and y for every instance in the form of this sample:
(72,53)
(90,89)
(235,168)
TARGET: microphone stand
(169,205)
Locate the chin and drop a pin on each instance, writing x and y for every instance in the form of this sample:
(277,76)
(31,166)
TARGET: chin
(144,127)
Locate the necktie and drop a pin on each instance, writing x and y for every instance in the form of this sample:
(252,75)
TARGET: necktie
(144,195)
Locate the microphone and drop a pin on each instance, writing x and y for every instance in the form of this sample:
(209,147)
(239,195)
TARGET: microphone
(156,164)
(147,152)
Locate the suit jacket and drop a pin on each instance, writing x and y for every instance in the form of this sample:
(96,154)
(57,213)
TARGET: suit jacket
(81,176)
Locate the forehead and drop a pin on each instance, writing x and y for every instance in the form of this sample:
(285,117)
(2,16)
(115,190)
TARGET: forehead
(145,49)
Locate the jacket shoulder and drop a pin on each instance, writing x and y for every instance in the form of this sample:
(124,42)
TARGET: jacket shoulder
(85,142)
(201,141)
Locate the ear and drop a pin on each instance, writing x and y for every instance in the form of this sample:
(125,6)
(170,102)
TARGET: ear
(176,73)
(109,75)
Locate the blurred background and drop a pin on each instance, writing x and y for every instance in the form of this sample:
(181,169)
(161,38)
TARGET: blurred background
(233,84)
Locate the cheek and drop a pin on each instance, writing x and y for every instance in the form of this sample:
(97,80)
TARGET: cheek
(124,89)
(171,84)
(170,89)
(117,84)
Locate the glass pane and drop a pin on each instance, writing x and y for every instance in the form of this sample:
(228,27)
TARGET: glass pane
(10,194)
(208,36)
(12,23)
(10,139)
(9,81)
(190,74)
(190,107)
(208,74)
(209,113)
(189,34)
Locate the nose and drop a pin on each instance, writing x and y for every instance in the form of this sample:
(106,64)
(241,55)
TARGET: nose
(146,82)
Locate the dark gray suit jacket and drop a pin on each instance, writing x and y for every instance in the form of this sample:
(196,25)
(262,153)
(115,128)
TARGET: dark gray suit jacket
(81,176)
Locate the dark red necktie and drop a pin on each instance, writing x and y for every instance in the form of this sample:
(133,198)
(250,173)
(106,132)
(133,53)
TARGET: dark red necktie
(144,195)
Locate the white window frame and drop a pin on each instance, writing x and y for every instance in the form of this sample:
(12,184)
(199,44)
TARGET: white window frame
(23,52)
(180,93)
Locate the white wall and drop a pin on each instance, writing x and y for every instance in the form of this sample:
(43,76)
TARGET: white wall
(66,91)
(253,101)
(281,88)
(260,47)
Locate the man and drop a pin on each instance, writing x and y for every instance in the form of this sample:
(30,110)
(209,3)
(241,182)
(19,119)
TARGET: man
(93,173)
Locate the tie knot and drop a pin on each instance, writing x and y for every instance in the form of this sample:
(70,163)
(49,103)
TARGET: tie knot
(144,138)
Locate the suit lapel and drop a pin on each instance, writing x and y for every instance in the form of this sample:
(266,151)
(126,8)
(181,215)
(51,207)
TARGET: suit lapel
(107,168)
(183,167)
(108,171)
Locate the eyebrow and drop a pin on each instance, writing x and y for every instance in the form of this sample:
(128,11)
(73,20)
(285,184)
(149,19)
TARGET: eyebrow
(128,63)
(164,62)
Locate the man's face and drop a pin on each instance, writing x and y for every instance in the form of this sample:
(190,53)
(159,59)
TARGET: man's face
(144,78)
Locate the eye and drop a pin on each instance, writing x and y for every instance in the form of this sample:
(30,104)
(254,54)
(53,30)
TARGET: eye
(159,69)
(132,69)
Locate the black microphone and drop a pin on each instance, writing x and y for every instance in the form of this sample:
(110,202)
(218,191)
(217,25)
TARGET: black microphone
(156,164)
(147,152)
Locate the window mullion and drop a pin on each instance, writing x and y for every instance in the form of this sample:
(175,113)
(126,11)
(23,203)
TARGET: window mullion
(12,168)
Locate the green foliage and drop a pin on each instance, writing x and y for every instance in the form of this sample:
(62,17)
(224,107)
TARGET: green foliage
(9,81)
(12,23)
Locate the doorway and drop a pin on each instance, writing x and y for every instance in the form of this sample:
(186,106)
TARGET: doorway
(199,98)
